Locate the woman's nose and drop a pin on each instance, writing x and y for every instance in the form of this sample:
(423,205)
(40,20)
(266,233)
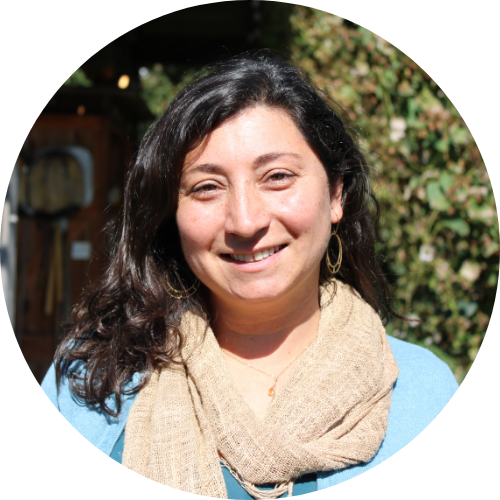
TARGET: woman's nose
(247,213)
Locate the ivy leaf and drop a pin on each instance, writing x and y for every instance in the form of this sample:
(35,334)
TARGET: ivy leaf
(467,308)
(460,135)
(458,226)
(442,145)
(446,181)
(436,197)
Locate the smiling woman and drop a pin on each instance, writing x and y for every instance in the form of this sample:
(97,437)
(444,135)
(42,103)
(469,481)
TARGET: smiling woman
(269,190)
(223,353)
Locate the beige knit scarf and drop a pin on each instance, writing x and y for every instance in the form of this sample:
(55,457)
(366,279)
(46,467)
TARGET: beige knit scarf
(331,412)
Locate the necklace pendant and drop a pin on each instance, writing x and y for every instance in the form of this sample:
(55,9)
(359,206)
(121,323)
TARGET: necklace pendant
(270,392)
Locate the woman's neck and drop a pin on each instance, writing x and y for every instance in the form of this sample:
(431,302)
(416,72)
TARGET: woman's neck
(270,333)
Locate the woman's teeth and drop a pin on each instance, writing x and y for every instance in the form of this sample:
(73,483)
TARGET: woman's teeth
(255,257)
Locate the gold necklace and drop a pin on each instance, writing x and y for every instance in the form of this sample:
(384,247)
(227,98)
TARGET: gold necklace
(271,391)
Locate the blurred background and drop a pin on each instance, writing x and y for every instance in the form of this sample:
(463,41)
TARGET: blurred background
(439,221)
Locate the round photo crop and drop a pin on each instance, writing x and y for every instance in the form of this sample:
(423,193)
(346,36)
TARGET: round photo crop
(249,250)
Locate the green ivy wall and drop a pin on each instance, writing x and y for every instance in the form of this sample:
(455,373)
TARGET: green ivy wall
(439,219)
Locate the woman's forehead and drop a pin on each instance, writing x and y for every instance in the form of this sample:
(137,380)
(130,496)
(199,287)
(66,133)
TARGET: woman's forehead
(257,133)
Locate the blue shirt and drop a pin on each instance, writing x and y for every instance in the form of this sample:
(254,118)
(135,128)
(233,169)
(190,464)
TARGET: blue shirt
(424,386)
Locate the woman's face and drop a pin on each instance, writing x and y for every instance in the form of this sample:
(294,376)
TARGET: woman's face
(255,209)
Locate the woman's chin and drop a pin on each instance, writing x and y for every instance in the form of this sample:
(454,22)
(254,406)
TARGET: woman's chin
(263,293)
(255,296)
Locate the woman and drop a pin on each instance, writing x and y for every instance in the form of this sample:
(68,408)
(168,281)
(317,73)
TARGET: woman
(236,335)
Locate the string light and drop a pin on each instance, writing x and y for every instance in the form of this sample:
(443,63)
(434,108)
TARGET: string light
(123,81)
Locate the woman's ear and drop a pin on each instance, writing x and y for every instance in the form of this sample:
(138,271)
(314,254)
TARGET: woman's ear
(336,201)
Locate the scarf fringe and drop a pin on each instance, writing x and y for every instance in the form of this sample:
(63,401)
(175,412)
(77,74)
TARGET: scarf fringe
(259,493)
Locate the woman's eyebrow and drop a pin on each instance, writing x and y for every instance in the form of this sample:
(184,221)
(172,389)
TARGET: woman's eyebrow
(214,168)
(211,168)
(268,157)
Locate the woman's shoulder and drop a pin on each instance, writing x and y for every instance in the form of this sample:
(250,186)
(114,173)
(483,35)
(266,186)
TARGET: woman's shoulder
(422,373)
(424,386)
(99,428)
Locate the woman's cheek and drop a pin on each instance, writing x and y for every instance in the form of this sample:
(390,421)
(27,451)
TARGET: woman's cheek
(197,226)
(307,212)
(187,223)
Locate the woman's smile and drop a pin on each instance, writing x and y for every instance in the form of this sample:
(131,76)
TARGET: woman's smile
(255,208)
(253,257)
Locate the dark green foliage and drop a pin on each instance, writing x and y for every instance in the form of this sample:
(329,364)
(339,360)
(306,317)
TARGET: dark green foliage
(439,218)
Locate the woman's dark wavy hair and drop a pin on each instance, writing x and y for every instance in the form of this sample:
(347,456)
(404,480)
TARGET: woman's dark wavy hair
(128,322)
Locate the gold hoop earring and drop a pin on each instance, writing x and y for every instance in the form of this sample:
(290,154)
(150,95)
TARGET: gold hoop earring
(334,269)
(182,294)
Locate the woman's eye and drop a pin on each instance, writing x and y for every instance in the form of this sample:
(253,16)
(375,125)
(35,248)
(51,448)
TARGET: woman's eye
(277,177)
(280,178)
(205,189)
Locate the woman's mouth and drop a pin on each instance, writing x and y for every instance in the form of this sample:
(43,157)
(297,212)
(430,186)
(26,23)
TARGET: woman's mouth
(253,257)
